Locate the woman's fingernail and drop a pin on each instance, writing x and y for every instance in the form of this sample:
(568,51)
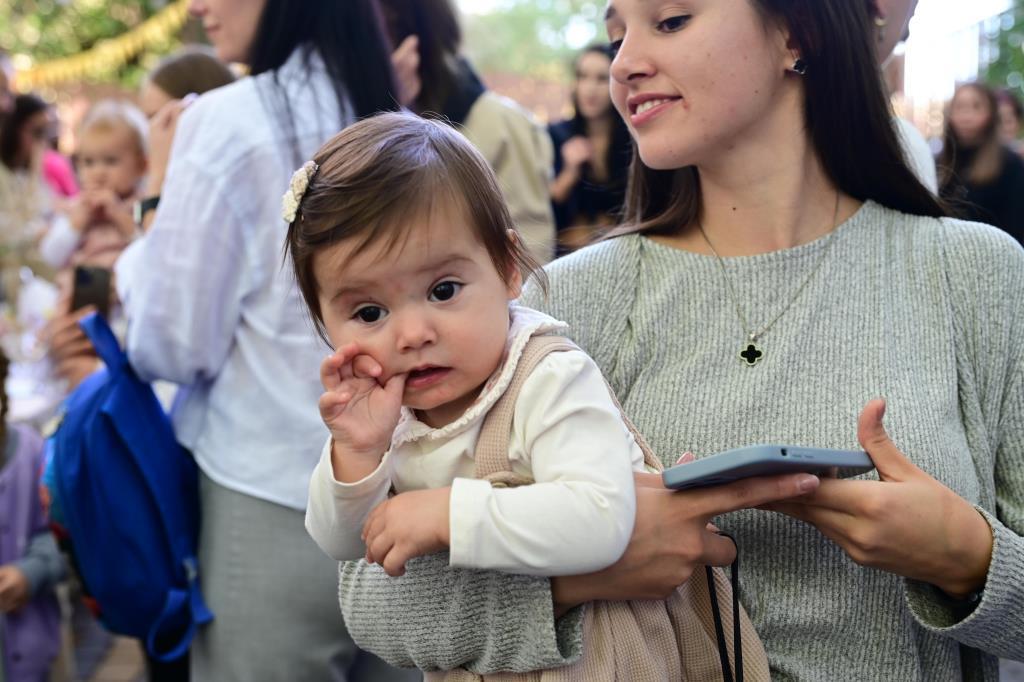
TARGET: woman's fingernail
(685,458)
(807,483)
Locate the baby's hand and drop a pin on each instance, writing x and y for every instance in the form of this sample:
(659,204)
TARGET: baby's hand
(80,211)
(406,526)
(360,412)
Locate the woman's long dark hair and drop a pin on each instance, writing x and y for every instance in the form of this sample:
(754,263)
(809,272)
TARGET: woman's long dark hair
(25,107)
(349,37)
(847,116)
(617,157)
(436,25)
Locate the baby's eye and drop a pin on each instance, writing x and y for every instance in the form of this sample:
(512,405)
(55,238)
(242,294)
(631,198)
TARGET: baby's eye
(444,291)
(673,23)
(615,45)
(370,313)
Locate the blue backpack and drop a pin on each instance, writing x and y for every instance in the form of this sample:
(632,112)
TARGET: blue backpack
(129,497)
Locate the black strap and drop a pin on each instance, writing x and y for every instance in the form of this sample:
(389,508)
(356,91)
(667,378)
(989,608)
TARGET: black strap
(737,637)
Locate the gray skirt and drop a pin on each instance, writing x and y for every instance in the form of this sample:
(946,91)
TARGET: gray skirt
(275,599)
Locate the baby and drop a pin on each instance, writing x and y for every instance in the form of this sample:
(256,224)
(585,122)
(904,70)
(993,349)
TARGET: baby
(111,160)
(407,258)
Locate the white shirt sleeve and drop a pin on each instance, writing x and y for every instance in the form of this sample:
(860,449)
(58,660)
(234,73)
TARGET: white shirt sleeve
(337,511)
(59,242)
(579,514)
(918,154)
(182,284)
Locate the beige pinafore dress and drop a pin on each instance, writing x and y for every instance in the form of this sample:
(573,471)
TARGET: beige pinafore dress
(626,641)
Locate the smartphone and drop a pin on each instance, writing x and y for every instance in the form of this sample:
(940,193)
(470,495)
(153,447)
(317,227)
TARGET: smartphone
(91,287)
(766,460)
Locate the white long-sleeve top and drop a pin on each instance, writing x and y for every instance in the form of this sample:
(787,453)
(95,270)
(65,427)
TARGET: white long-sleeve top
(210,304)
(567,435)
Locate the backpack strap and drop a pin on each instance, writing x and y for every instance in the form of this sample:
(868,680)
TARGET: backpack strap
(180,606)
(103,340)
(491,453)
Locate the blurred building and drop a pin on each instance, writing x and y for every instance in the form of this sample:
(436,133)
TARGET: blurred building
(951,41)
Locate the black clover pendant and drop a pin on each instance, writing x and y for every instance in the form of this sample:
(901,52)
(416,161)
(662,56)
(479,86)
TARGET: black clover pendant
(751,355)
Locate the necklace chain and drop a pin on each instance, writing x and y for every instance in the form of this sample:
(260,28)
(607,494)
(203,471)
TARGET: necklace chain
(753,335)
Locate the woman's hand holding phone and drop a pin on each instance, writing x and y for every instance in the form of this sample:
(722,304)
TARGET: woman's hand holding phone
(672,538)
(906,523)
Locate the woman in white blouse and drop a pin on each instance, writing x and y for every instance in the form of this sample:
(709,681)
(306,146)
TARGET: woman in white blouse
(209,307)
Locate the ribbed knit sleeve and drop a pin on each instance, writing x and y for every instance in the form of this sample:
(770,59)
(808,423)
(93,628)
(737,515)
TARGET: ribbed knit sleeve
(437,618)
(986,279)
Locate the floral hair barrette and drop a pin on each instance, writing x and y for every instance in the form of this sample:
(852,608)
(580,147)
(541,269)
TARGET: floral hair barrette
(296,190)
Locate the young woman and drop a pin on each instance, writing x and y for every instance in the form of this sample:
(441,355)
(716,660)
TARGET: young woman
(209,307)
(592,154)
(784,268)
(980,175)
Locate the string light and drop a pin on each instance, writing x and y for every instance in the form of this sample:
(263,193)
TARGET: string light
(107,56)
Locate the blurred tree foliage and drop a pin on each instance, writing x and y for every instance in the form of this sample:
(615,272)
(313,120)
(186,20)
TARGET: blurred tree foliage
(1007,71)
(533,37)
(49,29)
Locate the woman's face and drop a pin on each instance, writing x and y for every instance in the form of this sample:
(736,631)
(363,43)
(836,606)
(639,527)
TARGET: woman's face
(1009,124)
(969,115)
(592,97)
(696,78)
(230,25)
(152,99)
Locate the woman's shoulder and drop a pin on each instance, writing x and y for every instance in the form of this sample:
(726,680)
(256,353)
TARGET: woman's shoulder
(228,121)
(975,257)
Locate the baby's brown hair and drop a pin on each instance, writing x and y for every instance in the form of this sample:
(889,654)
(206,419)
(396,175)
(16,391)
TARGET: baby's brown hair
(377,174)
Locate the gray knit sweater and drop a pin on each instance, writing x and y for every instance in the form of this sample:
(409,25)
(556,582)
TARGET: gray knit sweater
(926,313)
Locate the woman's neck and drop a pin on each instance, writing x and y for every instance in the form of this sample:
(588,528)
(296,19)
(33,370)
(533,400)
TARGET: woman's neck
(599,127)
(766,193)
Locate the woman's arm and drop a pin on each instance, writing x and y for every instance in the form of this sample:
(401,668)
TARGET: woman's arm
(437,618)
(574,153)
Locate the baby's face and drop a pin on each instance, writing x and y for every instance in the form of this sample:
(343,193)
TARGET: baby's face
(109,158)
(432,307)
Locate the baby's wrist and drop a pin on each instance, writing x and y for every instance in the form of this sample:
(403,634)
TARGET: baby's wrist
(351,465)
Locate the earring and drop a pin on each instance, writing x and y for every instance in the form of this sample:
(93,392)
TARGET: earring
(799,66)
(880,24)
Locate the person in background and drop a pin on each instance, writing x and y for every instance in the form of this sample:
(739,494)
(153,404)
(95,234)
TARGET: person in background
(515,146)
(111,163)
(592,155)
(1011,116)
(981,176)
(194,69)
(210,307)
(891,19)
(26,204)
(30,563)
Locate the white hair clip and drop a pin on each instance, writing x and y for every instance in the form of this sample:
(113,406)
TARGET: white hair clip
(296,190)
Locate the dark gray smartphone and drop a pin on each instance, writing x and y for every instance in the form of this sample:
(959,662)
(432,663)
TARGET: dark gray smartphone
(91,287)
(766,460)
